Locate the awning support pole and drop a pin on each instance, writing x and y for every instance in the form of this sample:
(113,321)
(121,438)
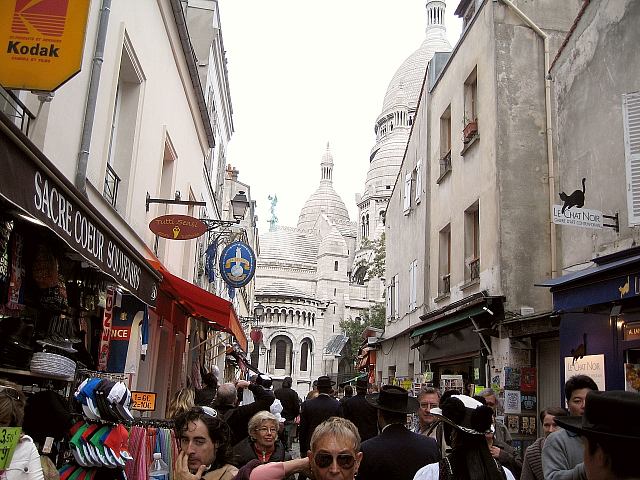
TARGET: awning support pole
(475,325)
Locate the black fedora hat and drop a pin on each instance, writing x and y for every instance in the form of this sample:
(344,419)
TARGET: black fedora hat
(393,399)
(325,382)
(362,383)
(614,415)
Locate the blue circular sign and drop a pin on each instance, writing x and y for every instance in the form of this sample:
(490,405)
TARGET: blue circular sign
(237,264)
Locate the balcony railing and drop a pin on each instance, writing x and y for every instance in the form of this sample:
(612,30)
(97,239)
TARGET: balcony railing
(474,269)
(446,284)
(445,163)
(13,108)
(111,183)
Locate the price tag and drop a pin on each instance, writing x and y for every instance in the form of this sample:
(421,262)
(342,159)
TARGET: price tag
(9,438)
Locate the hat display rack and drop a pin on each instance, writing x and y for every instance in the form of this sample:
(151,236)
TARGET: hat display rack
(99,439)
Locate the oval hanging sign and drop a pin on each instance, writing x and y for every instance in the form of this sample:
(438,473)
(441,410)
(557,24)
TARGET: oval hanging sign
(237,264)
(177,227)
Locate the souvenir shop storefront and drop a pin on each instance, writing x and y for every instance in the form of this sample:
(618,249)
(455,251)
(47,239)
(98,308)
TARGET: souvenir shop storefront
(599,313)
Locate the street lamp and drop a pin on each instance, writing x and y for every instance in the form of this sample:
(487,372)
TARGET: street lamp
(239,205)
(258,312)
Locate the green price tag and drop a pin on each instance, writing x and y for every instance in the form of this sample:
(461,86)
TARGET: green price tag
(9,438)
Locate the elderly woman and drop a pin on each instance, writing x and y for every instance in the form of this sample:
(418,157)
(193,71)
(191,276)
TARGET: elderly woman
(205,450)
(262,443)
(532,465)
(335,453)
(25,463)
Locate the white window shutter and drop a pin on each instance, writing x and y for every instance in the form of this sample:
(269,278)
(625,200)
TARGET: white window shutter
(418,180)
(396,297)
(388,301)
(631,112)
(410,286)
(407,192)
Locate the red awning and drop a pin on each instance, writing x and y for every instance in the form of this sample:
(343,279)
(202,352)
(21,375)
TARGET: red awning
(201,304)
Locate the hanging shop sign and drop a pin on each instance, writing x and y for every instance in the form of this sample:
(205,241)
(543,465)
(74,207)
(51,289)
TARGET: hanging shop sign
(33,184)
(41,42)
(105,338)
(577,217)
(631,331)
(143,401)
(591,365)
(177,227)
(237,264)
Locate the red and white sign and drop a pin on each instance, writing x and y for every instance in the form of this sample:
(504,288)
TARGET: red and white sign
(103,353)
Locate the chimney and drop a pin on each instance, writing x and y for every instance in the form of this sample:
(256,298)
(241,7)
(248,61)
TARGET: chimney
(232,173)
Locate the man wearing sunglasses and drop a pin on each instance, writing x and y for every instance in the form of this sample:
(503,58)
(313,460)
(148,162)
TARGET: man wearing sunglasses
(334,455)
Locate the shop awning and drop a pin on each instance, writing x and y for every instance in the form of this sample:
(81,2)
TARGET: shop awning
(200,304)
(445,322)
(37,189)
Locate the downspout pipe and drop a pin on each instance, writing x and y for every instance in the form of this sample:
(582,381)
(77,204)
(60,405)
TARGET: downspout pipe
(92,98)
(549,128)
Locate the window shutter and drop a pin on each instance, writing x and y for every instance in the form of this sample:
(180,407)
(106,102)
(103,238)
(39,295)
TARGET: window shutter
(631,112)
(410,286)
(418,180)
(407,193)
(388,301)
(396,297)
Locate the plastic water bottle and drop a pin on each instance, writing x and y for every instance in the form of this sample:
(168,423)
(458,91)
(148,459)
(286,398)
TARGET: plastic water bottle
(158,468)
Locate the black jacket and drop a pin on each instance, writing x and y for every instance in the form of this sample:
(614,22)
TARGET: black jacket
(243,453)
(238,417)
(205,396)
(362,414)
(290,402)
(396,454)
(312,413)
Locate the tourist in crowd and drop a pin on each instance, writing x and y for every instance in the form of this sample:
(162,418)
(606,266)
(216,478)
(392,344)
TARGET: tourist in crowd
(505,454)
(532,463)
(502,434)
(348,393)
(315,411)
(262,443)
(467,423)
(313,393)
(205,447)
(335,454)
(237,417)
(25,463)
(396,452)
(610,427)
(205,395)
(360,412)
(563,452)
(182,401)
(290,409)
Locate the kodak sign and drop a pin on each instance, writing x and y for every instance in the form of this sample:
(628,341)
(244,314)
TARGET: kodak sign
(41,42)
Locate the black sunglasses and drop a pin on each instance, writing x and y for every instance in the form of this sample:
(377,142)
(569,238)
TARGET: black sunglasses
(324,460)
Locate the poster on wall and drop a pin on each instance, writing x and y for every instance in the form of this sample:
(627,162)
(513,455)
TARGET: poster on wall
(528,379)
(529,401)
(512,423)
(591,365)
(632,377)
(511,378)
(451,382)
(512,401)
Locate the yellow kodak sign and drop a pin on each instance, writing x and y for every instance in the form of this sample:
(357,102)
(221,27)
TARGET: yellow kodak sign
(41,42)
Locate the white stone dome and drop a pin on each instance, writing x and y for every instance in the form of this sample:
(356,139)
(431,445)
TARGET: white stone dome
(324,200)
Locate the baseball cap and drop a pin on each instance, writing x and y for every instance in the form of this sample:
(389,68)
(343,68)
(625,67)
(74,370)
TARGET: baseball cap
(120,399)
(84,395)
(118,441)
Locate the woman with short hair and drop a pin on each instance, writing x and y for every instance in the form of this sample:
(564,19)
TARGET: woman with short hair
(262,443)
(25,462)
(335,453)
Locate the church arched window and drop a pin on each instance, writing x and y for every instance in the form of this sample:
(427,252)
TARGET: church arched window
(281,354)
(305,349)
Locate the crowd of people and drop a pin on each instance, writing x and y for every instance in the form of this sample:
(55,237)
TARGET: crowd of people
(245,431)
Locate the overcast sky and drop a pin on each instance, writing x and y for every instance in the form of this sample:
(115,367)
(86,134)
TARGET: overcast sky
(303,73)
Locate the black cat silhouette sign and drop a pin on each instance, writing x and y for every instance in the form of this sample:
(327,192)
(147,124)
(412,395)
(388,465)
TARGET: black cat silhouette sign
(572,213)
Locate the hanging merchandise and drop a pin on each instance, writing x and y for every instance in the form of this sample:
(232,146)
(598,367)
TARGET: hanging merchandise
(15,300)
(210,264)
(44,269)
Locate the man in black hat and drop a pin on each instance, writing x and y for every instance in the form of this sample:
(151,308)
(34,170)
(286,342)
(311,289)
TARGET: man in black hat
(363,415)
(610,428)
(396,453)
(290,408)
(316,411)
